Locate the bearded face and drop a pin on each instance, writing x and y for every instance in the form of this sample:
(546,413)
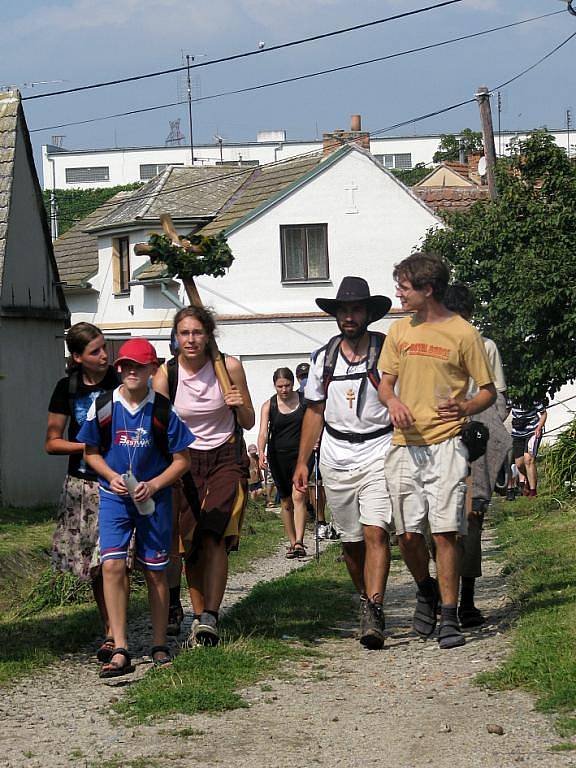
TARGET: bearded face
(353,319)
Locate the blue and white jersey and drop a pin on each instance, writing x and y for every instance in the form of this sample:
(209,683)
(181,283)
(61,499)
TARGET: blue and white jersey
(133,439)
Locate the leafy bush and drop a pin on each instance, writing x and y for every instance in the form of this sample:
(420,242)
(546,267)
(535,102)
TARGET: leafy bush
(560,460)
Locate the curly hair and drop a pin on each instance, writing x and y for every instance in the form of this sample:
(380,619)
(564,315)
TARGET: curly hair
(423,269)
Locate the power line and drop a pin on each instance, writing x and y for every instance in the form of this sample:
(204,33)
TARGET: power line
(472,100)
(246,54)
(303,155)
(305,76)
(533,66)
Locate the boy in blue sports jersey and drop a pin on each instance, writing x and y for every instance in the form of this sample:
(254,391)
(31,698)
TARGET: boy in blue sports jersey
(133,457)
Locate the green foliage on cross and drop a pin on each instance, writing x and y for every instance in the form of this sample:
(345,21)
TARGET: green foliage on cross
(518,254)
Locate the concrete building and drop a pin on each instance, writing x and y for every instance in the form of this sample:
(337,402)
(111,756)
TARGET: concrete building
(79,169)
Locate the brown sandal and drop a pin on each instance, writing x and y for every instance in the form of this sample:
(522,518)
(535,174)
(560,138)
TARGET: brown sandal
(291,553)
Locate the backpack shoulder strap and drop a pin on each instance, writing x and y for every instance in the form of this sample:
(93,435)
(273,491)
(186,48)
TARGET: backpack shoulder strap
(375,344)
(330,360)
(104,406)
(73,385)
(377,340)
(172,375)
(161,410)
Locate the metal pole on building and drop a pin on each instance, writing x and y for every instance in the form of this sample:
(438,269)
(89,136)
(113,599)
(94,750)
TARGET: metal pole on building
(189,85)
(483,98)
(568,123)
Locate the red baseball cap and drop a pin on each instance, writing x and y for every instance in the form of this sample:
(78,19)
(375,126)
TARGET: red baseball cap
(137,350)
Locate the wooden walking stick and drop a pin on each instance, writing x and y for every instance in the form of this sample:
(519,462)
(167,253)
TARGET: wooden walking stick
(186,258)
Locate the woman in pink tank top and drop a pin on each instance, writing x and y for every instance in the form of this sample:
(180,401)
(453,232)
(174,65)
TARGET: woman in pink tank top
(219,468)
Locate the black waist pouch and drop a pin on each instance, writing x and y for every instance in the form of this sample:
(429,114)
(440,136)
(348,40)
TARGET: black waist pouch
(475,436)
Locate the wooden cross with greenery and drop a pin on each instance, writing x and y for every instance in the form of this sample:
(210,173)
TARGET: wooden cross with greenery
(187,258)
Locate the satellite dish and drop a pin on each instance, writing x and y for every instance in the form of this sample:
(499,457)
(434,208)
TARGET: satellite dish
(482,166)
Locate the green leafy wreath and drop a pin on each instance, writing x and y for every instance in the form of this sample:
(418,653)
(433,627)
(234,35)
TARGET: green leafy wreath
(210,255)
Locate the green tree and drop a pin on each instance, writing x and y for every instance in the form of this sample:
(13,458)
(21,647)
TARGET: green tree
(449,147)
(518,254)
(411,176)
(75,204)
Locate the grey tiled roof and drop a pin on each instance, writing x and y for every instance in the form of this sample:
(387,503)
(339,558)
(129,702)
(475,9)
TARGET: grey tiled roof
(76,250)
(186,193)
(264,185)
(8,121)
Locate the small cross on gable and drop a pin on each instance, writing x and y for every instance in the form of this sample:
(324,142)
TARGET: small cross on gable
(352,207)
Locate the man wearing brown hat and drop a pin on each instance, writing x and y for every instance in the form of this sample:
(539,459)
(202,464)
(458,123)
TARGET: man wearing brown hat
(342,397)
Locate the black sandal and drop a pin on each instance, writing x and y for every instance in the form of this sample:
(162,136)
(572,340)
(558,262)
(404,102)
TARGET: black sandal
(104,653)
(300,550)
(165,660)
(113,669)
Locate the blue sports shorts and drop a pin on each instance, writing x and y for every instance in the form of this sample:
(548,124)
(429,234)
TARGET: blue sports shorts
(118,518)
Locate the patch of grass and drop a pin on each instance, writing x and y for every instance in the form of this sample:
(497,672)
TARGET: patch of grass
(566,726)
(25,538)
(539,543)
(565,746)
(277,622)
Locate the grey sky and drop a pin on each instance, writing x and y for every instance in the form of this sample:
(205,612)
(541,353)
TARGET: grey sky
(84,41)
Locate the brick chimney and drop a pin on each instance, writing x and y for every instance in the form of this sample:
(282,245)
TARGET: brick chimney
(339,138)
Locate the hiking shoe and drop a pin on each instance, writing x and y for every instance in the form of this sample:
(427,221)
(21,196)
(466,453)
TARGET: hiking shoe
(511,494)
(470,617)
(371,625)
(175,619)
(322,531)
(207,630)
(425,615)
(190,641)
(332,533)
(449,634)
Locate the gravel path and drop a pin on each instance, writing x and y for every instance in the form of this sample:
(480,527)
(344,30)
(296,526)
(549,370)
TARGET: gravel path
(407,706)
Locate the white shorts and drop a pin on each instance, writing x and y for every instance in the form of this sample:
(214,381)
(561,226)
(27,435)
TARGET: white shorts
(357,497)
(428,481)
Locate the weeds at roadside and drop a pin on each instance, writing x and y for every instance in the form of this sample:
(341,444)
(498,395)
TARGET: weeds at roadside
(539,543)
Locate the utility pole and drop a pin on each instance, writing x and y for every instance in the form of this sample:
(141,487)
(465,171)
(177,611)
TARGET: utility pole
(499,124)
(568,123)
(483,98)
(189,87)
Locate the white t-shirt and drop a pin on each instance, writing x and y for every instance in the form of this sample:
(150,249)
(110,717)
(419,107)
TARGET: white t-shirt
(340,413)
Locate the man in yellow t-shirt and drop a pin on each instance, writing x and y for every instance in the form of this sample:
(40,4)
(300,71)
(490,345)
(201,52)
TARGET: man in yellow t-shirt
(426,362)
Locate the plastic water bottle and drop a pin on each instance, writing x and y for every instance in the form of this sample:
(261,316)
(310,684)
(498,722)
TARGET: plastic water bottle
(144,507)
